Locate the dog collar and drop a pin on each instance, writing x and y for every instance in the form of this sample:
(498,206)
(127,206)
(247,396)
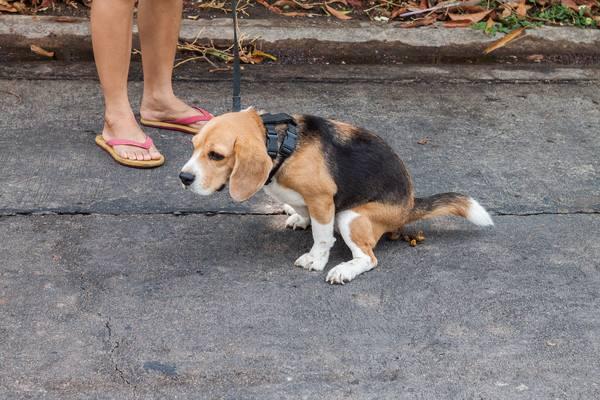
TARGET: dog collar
(279,152)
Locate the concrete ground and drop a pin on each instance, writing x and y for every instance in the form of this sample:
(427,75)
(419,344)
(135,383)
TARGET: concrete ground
(117,284)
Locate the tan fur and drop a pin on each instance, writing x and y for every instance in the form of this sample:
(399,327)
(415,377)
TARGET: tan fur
(458,207)
(363,235)
(345,131)
(306,173)
(240,139)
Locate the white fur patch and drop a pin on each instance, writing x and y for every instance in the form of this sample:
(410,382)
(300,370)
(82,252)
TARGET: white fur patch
(360,263)
(317,257)
(283,194)
(193,167)
(478,215)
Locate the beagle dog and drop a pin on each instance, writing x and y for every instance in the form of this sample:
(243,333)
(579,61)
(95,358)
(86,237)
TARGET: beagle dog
(338,174)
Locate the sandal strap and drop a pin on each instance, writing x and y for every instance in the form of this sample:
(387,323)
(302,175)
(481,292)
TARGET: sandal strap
(204,116)
(125,142)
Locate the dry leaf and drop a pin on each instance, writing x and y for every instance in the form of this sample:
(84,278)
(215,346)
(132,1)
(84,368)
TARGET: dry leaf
(506,11)
(336,13)
(423,141)
(66,19)
(570,4)
(39,51)
(419,22)
(522,9)
(474,18)
(357,4)
(7,7)
(489,24)
(457,24)
(397,11)
(295,14)
(264,55)
(283,3)
(269,7)
(509,37)
(193,17)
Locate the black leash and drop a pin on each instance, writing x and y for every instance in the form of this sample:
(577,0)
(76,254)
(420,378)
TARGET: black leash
(278,152)
(237,100)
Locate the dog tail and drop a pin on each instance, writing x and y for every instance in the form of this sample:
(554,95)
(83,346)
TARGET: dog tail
(444,204)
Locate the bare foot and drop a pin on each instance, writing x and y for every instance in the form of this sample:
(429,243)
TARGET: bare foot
(125,126)
(168,108)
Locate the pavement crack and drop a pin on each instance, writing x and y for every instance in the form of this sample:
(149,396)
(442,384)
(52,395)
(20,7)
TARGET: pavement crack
(534,213)
(4,214)
(111,354)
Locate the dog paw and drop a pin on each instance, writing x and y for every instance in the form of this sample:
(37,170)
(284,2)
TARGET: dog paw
(311,262)
(297,221)
(347,271)
(339,274)
(289,210)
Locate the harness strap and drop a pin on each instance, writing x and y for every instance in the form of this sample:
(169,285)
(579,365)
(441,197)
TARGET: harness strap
(279,152)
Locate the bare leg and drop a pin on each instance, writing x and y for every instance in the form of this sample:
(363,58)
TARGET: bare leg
(159,22)
(111,23)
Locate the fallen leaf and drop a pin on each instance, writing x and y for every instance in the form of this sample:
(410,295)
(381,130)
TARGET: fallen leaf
(419,22)
(570,4)
(522,9)
(39,51)
(265,55)
(509,37)
(397,11)
(423,141)
(506,11)
(283,3)
(269,7)
(458,24)
(294,14)
(357,4)
(336,13)
(193,17)
(7,7)
(474,18)
(66,19)
(489,25)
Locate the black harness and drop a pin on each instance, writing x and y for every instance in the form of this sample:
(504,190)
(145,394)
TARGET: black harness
(279,150)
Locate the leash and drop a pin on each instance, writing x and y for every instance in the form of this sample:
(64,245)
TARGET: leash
(237,100)
(278,152)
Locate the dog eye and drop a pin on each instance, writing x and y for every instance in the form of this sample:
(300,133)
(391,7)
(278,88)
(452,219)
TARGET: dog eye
(215,156)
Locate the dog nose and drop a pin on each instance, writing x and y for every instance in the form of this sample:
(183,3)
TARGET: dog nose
(186,178)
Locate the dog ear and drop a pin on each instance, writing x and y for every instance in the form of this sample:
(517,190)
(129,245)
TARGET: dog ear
(251,168)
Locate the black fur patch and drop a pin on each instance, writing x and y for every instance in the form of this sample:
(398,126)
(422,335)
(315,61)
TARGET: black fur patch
(363,166)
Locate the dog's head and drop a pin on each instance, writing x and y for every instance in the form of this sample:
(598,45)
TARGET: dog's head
(229,148)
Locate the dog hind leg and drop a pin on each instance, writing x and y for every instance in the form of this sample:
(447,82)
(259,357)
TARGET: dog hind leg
(361,237)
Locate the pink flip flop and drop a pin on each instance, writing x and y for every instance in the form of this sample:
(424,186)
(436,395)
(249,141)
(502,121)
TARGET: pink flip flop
(181,124)
(108,145)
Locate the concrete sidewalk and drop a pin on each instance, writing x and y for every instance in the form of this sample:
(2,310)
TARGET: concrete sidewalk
(132,288)
(320,40)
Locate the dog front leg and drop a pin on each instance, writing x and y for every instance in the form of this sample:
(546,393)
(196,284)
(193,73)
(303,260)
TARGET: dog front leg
(322,216)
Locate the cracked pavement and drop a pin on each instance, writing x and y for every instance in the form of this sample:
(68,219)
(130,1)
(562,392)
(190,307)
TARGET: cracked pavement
(117,284)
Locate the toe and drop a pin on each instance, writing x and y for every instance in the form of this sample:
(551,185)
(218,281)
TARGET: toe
(154,154)
(146,156)
(139,155)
